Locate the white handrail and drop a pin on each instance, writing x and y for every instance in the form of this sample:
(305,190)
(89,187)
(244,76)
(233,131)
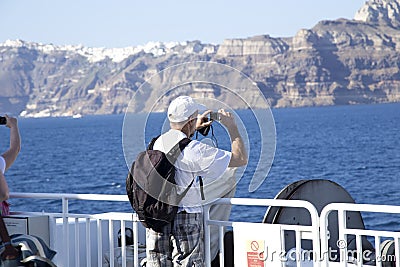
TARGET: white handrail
(259,202)
(342,208)
(66,216)
(102,197)
(318,228)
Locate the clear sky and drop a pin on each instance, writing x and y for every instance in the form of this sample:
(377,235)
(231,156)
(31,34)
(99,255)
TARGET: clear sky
(122,23)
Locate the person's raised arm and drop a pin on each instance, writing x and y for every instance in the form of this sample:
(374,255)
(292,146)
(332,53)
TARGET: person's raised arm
(4,191)
(15,142)
(239,153)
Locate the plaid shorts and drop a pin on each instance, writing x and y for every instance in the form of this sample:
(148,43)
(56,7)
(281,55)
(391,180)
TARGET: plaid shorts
(181,243)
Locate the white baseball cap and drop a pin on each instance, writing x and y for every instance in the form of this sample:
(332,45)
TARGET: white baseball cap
(182,107)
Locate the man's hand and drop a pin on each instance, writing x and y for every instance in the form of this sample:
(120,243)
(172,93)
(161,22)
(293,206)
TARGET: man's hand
(227,119)
(11,122)
(202,120)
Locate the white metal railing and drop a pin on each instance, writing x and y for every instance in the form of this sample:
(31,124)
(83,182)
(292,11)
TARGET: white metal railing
(341,209)
(301,231)
(90,226)
(71,228)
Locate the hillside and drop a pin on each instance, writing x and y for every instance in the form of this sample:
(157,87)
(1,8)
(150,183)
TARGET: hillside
(335,63)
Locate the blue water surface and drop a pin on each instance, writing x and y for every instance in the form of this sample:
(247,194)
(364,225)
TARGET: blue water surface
(357,147)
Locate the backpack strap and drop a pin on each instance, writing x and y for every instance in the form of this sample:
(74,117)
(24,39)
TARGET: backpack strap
(201,188)
(151,144)
(174,153)
(190,185)
(181,196)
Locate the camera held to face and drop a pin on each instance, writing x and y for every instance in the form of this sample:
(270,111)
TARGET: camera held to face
(215,116)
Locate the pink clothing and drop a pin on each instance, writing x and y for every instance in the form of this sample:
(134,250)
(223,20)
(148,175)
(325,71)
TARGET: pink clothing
(5,208)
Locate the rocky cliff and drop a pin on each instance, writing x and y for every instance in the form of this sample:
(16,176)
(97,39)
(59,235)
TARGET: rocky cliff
(335,62)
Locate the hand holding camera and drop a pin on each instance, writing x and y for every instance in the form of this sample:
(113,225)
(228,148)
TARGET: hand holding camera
(3,120)
(203,123)
(227,119)
(215,116)
(205,120)
(10,122)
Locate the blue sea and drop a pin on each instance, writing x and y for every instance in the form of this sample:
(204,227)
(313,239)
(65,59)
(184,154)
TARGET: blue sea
(357,147)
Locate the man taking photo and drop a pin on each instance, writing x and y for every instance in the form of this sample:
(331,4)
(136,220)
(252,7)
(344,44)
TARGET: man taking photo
(181,242)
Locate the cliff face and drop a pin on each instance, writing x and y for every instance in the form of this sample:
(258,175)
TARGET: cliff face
(335,62)
(380,12)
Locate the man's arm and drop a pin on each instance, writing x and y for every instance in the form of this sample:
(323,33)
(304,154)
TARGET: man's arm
(4,191)
(15,142)
(239,153)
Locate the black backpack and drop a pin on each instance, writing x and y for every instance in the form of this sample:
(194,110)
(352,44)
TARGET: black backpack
(151,185)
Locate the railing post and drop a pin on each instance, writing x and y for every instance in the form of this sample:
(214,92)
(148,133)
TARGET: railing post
(378,255)
(65,228)
(88,244)
(99,242)
(316,238)
(342,237)
(298,254)
(360,254)
(135,240)
(77,242)
(206,217)
(123,243)
(111,241)
(397,251)
(221,246)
